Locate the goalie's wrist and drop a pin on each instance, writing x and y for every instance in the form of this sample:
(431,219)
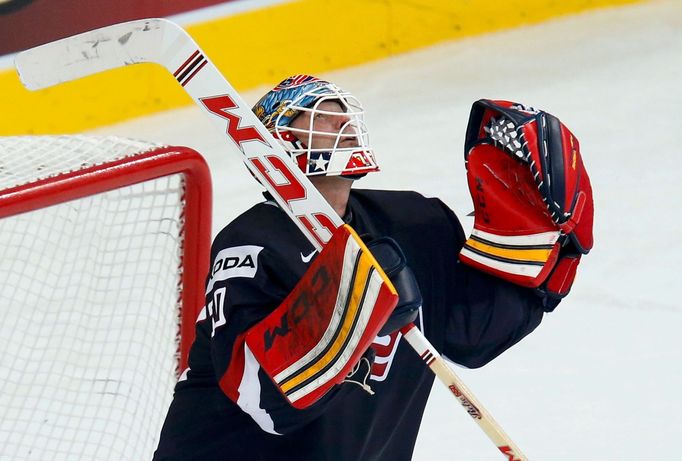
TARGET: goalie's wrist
(559,281)
(549,301)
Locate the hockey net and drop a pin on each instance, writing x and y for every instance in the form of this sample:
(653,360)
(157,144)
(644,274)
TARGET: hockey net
(103,255)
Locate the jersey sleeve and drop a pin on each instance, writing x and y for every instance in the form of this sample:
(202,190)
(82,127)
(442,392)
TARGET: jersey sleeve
(246,283)
(488,315)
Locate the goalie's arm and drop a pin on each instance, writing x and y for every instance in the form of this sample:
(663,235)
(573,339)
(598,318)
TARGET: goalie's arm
(489,315)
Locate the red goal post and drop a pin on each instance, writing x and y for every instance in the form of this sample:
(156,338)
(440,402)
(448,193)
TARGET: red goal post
(102,241)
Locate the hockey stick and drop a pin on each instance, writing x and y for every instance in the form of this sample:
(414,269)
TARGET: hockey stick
(163,42)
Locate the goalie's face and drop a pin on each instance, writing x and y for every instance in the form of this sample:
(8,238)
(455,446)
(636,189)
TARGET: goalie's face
(331,138)
(326,127)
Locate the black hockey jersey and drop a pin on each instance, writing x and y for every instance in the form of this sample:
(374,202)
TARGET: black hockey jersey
(468,316)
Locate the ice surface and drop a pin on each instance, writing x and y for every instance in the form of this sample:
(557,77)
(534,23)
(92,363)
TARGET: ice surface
(600,379)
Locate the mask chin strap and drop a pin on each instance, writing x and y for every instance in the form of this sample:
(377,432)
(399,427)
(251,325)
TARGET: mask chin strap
(353,177)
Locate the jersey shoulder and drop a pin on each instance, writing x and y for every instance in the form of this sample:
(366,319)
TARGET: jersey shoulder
(407,205)
(266,230)
(264,224)
(406,212)
(400,199)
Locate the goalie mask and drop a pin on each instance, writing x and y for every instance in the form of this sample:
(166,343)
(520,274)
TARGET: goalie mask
(319,125)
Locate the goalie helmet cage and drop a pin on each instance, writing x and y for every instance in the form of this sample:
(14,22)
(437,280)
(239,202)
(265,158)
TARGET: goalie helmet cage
(104,246)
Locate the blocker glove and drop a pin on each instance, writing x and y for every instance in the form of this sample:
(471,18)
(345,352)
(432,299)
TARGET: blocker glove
(532,198)
(392,260)
(323,328)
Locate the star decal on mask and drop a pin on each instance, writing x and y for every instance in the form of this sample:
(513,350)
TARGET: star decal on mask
(319,163)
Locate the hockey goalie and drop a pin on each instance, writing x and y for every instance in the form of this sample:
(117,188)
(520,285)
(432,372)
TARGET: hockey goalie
(299,354)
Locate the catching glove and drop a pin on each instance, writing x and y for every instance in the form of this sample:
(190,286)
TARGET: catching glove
(532,198)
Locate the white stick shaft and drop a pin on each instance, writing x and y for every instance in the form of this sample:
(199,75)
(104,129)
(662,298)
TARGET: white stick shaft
(466,398)
(163,42)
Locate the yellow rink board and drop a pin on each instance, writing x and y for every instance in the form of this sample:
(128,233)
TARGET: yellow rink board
(264,46)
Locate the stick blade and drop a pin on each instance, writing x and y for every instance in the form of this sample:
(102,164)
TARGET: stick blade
(88,53)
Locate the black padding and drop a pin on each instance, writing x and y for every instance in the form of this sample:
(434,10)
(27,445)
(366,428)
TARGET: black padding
(475,118)
(392,260)
(555,164)
(408,306)
(388,254)
(478,113)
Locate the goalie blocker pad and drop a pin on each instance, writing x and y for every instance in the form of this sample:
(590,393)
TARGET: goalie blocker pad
(531,193)
(321,330)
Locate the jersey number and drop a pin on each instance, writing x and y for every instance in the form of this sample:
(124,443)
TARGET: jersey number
(215,309)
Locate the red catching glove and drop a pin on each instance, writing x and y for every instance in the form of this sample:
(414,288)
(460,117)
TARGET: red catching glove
(532,198)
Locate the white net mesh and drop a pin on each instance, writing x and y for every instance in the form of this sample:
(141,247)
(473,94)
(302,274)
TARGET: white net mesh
(28,158)
(89,294)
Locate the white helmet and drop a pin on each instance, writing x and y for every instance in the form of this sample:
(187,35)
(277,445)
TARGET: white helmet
(304,93)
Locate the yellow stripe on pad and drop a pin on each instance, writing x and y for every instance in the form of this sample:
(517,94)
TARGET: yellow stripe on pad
(516,254)
(361,277)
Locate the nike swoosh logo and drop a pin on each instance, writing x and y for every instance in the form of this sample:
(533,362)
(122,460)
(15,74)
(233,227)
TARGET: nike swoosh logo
(306,259)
